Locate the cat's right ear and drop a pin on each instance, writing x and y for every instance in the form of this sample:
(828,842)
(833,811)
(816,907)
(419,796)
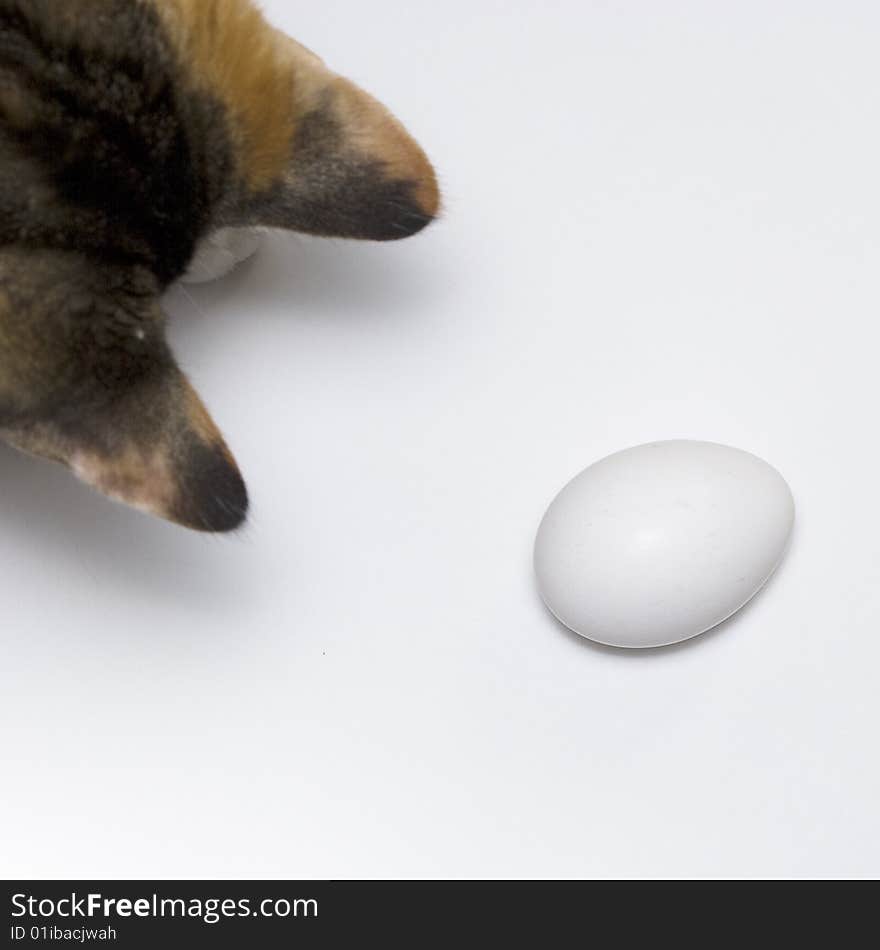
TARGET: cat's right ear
(353,170)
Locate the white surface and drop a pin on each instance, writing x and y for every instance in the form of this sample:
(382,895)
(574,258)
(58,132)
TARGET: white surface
(661,542)
(663,221)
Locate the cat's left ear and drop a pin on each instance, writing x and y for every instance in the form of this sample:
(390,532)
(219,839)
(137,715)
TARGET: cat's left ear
(163,454)
(353,170)
(154,448)
(87,380)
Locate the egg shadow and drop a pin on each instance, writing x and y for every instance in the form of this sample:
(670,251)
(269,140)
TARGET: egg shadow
(692,643)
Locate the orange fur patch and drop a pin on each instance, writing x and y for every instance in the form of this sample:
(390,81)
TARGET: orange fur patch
(200,421)
(232,52)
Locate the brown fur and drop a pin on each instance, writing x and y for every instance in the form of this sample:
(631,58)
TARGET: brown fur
(266,80)
(129,129)
(228,49)
(375,131)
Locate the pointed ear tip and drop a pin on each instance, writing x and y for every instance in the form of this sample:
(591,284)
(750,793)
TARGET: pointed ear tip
(221,517)
(428,197)
(414,203)
(214,498)
(427,193)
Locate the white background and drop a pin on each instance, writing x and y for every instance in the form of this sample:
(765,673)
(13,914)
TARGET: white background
(662,221)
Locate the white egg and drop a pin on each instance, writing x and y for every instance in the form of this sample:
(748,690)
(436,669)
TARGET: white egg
(661,542)
(220,253)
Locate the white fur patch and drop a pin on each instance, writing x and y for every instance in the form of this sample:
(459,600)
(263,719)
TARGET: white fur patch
(221,252)
(142,483)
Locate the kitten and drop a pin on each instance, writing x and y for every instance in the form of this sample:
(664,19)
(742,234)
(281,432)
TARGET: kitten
(129,131)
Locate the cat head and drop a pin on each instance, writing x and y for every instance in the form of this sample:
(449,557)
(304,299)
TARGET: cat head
(270,137)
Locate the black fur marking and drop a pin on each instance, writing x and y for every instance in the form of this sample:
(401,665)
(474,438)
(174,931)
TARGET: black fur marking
(102,151)
(213,496)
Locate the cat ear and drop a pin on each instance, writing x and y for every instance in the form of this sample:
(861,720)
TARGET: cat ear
(86,379)
(354,171)
(154,448)
(159,450)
